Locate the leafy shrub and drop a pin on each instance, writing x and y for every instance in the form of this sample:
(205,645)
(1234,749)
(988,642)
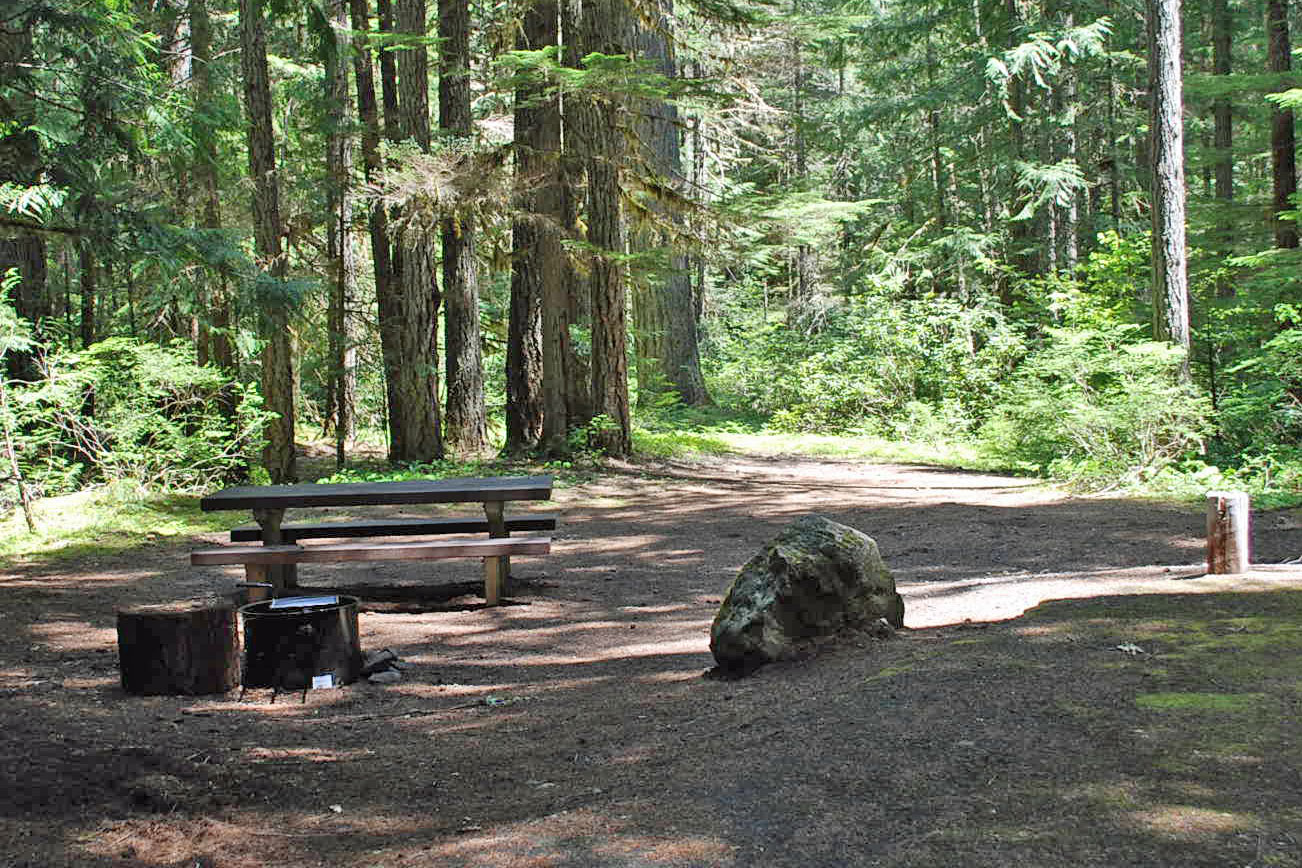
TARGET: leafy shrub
(124,410)
(870,367)
(1098,406)
(1263,411)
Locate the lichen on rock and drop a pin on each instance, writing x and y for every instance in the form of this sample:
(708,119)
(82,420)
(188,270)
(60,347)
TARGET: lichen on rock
(815,579)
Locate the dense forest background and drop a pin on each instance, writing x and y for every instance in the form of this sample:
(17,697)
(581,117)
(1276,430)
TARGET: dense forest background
(1060,233)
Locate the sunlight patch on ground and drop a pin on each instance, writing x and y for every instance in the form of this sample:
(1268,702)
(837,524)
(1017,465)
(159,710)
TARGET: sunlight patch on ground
(580,836)
(1000,598)
(73,635)
(1190,823)
(261,755)
(663,609)
(184,841)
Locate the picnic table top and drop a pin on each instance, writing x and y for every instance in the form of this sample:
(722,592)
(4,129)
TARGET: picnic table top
(464,490)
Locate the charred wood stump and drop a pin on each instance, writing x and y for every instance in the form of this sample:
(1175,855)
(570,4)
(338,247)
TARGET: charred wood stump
(1229,532)
(188,647)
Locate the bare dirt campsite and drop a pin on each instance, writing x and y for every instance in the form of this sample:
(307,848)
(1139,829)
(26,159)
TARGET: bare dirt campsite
(1071,690)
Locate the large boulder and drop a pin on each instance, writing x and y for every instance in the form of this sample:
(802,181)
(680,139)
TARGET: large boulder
(815,579)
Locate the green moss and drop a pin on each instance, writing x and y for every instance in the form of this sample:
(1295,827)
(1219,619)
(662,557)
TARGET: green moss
(890,672)
(1200,701)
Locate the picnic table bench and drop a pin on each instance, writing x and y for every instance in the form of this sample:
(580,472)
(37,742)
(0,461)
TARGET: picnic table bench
(276,559)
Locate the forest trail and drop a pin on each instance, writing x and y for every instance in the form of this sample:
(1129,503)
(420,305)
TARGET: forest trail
(963,546)
(573,727)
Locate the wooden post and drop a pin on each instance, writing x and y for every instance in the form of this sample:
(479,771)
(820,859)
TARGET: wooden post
(1229,533)
(189,647)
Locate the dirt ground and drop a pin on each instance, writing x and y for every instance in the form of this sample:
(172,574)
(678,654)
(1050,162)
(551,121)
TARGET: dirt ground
(573,727)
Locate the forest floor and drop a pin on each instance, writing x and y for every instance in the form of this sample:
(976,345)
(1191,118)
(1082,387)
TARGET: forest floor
(1150,721)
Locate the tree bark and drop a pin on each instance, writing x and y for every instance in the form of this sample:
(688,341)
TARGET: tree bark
(1066,108)
(1223,140)
(341,251)
(664,314)
(1020,253)
(188,648)
(1170,278)
(273,320)
(1283,156)
(1229,533)
(88,270)
(466,421)
(805,257)
(603,27)
(377,217)
(220,348)
(21,162)
(578,364)
(538,327)
(414,419)
(26,253)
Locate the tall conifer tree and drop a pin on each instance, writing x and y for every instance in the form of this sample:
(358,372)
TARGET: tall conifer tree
(1170,275)
(466,423)
(273,308)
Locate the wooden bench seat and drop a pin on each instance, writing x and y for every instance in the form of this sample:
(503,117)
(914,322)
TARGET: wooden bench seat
(257,559)
(395,527)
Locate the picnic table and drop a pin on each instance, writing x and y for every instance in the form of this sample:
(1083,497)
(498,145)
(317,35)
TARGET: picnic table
(279,553)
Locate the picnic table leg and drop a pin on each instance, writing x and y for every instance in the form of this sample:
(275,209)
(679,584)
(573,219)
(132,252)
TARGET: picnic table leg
(281,576)
(500,567)
(493,580)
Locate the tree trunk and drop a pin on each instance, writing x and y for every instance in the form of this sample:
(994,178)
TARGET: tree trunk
(1066,108)
(88,270)
(603,26)
(1223,137)
(578,363)
(273,320)
(1283,157)
(1020,253)
(664,315)
(1170,279)
(805,258)
(377,218)
(1113,136)
(539,323)
(466,422)
(218,294)
(26,253)
(21,162)
(341,251)
(414,419)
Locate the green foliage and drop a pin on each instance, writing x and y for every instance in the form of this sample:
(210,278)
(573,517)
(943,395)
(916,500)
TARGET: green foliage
(124,410)
(585,442)
(107,518)
(1097,406)
(871,367)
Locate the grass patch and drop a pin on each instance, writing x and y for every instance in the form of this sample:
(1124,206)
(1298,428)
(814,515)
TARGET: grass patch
(1200,701)
(104,520)
(661,441)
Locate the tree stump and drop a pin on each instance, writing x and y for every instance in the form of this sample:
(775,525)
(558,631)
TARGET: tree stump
(1229,532)
(188,647)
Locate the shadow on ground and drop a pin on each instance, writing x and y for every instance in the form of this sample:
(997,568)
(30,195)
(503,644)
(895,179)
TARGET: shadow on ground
(575,729)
